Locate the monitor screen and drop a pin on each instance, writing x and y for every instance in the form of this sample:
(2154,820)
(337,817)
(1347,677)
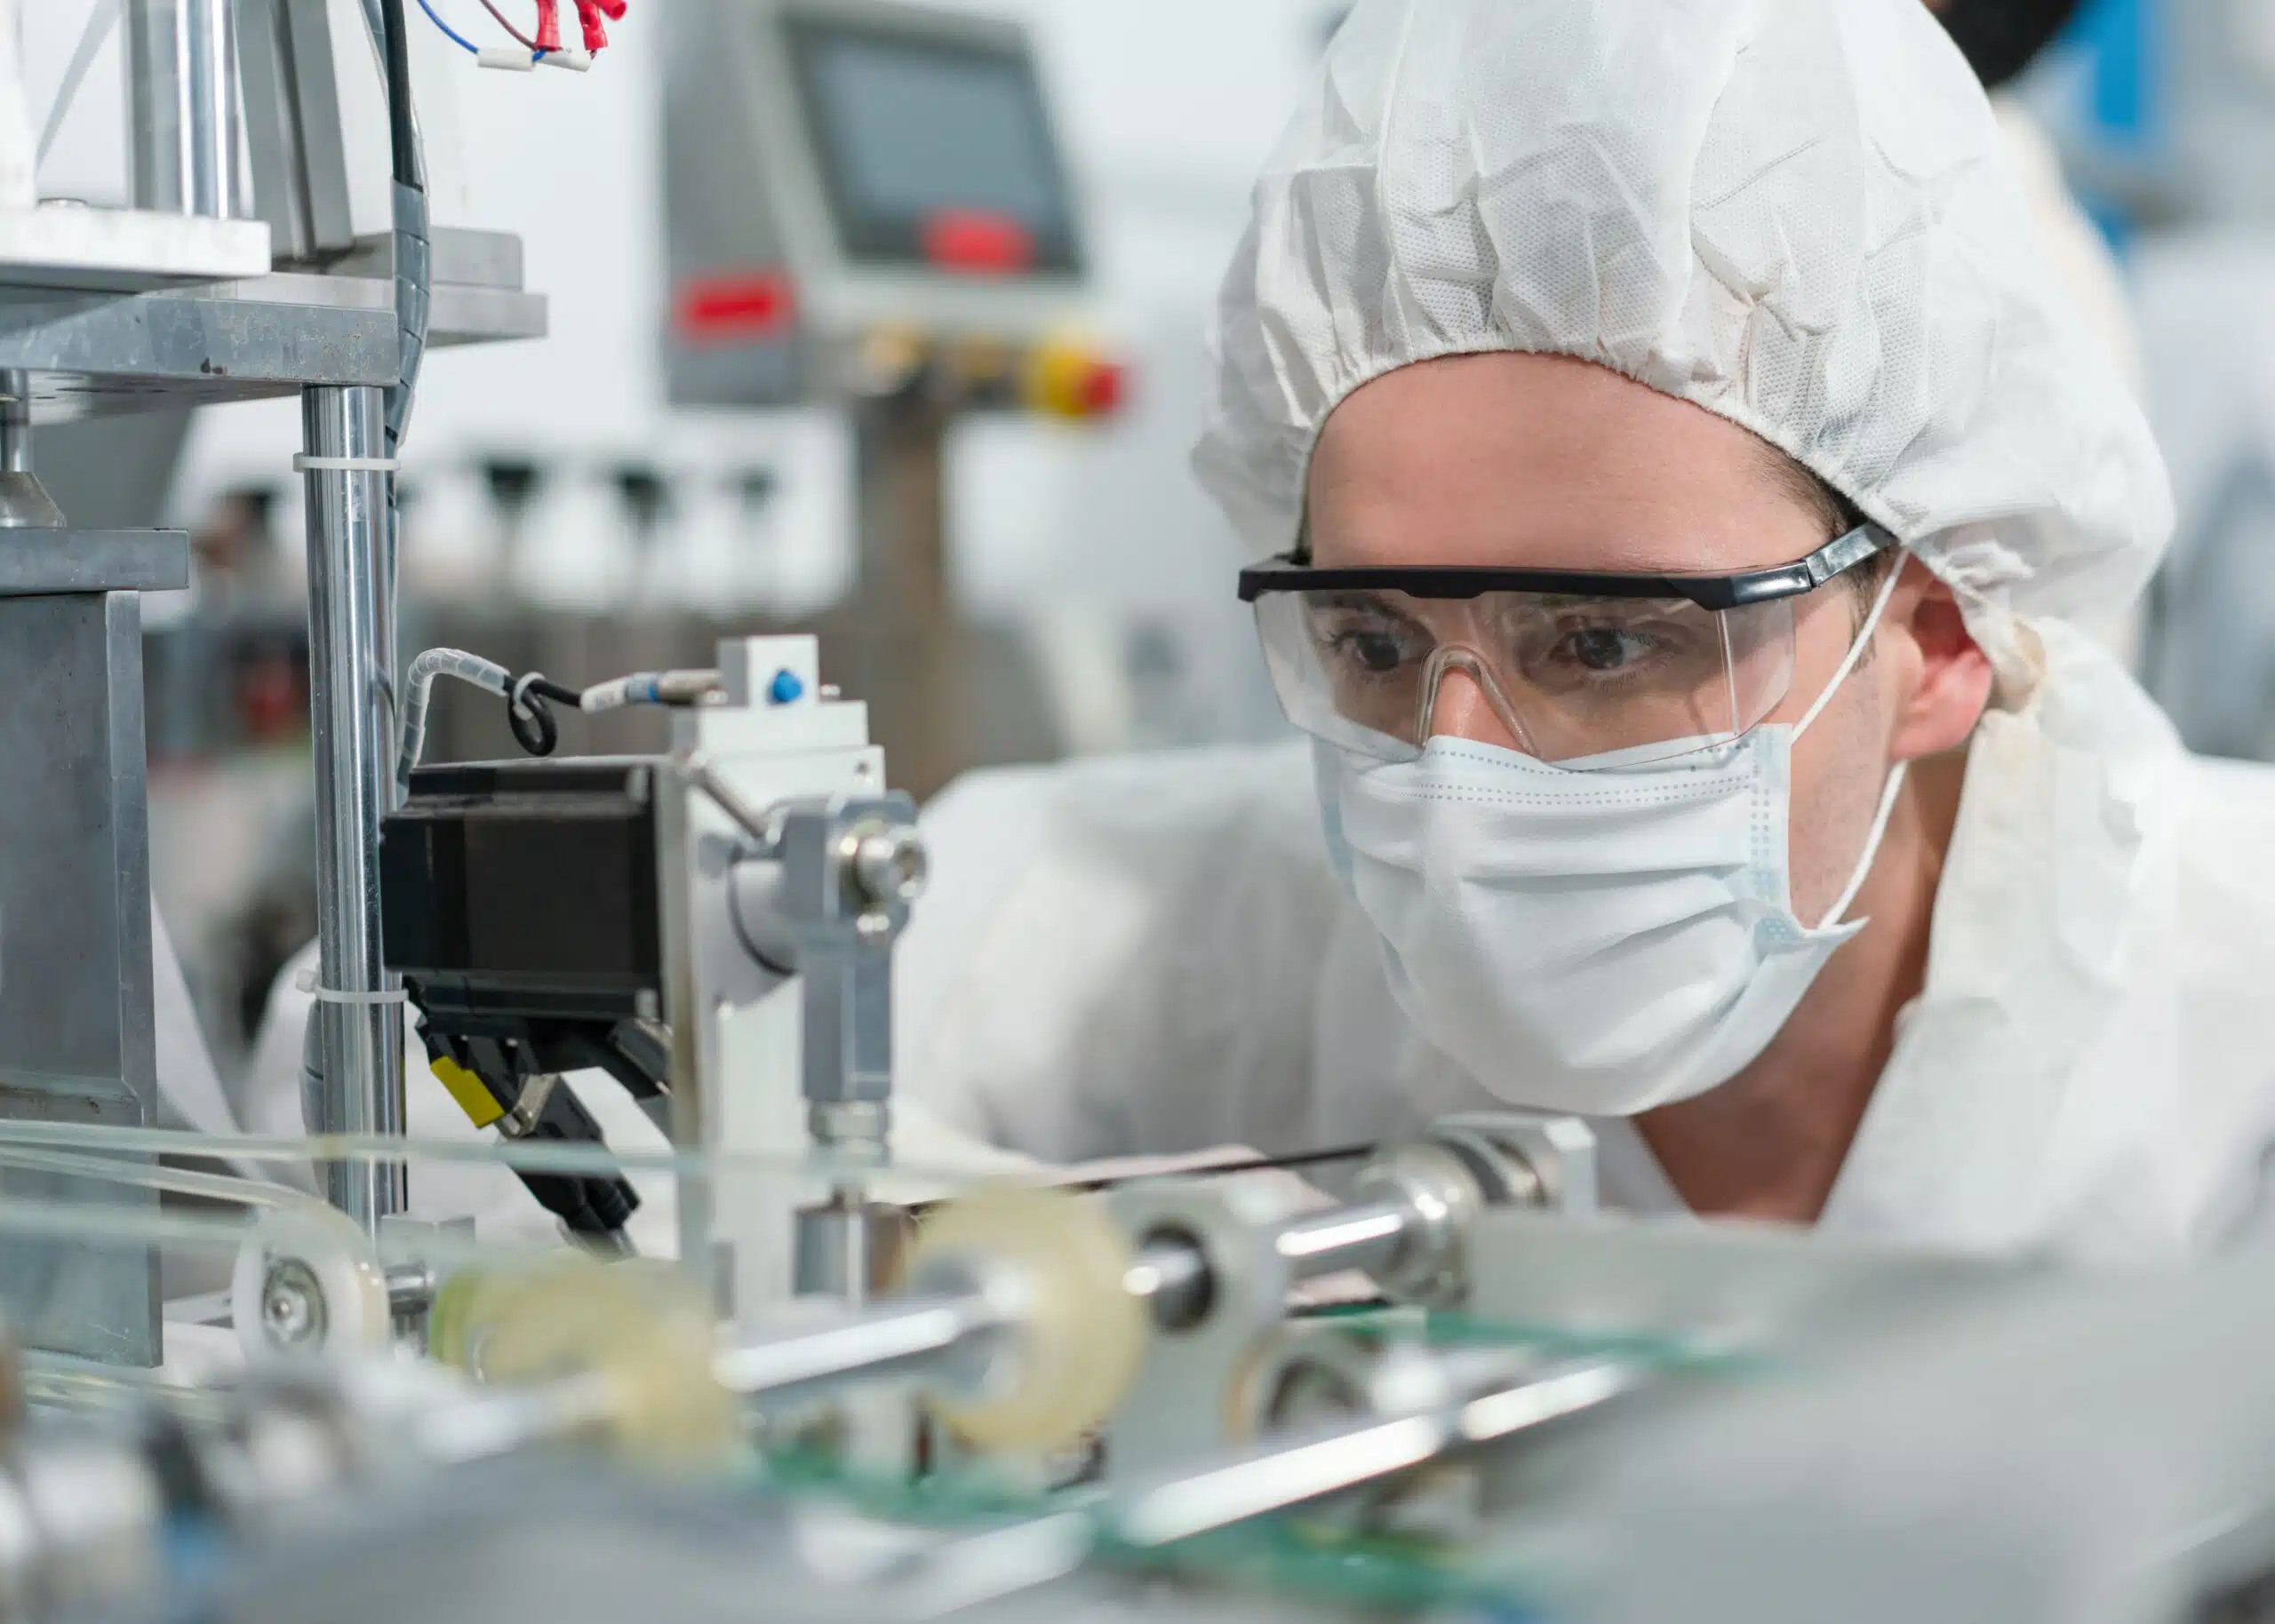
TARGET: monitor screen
(934,151)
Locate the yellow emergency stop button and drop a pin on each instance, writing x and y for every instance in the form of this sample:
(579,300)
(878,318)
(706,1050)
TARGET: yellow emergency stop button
(1073,380)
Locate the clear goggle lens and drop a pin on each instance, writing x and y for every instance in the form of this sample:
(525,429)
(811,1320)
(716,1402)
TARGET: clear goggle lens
(1635,679)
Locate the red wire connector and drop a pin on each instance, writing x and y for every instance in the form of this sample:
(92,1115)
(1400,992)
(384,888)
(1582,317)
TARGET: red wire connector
(589,13)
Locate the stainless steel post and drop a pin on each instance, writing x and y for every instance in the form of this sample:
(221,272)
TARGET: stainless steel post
(183,106)
(351,679)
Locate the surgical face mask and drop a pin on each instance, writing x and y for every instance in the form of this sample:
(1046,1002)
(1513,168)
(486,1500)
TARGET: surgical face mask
(1600,941)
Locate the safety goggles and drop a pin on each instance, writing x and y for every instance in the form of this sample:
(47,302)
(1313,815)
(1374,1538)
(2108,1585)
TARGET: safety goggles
(1583,670)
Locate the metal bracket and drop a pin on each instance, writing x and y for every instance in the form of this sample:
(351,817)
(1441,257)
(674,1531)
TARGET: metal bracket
(828,889)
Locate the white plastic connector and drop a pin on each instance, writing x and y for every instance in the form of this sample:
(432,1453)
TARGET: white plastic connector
(506,59)
(650,688)
(575,61)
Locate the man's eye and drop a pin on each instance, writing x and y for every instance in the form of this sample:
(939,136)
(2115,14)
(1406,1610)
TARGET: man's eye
(1602,648)
(1375,652)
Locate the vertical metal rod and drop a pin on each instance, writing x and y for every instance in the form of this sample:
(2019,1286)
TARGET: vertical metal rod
(351,679)
(183,106)
(15,420)
(24,501)
(210,47)
(153,110)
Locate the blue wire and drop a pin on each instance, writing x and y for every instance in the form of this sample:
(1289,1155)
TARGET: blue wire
(463,43)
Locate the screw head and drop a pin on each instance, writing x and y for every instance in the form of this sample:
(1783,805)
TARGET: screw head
(891,866)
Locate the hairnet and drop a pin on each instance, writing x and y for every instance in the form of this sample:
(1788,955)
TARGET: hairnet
(1795,213)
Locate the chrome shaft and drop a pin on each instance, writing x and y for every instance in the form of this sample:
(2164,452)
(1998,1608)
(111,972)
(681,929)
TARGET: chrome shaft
(1313,1465)
(1364,1237)
(891,1338)
(351,674)
(184,119)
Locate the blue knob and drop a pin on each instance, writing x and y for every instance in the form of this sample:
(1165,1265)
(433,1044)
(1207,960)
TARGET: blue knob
(786,689)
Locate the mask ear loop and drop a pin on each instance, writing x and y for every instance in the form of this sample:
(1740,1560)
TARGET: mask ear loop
(1896,774)
(1856,649)
(1729,672)
(1872,848)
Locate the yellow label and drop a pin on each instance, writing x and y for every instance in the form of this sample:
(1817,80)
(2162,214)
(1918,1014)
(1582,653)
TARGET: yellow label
(473,1096)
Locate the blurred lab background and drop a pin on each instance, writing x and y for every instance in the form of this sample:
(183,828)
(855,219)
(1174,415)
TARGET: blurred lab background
(1003,548)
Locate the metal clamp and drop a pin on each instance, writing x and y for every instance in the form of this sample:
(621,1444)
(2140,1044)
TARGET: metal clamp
(1466,1165)
(823,892)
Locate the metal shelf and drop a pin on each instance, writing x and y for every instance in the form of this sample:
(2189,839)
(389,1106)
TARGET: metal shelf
(89,353)
(70,248)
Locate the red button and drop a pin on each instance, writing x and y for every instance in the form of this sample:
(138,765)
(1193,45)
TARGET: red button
(1105,389)
(977,240)
(739,305)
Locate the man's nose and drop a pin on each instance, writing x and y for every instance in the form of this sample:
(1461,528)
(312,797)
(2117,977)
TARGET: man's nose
(1460,710)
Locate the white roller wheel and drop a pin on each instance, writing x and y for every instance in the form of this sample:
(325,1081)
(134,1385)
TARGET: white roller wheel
(641,1328)
(1083,1337)
(302,1287)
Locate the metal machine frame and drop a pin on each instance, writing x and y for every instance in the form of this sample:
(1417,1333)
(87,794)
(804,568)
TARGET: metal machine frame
(120,310)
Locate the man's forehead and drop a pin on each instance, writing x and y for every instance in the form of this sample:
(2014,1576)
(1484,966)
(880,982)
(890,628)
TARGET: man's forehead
(1535,461)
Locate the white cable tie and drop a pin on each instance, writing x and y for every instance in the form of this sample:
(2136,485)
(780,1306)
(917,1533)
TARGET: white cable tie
(506,59)
(305,463)
(306,981)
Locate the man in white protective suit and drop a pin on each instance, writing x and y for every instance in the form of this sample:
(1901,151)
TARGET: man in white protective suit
(1675,475)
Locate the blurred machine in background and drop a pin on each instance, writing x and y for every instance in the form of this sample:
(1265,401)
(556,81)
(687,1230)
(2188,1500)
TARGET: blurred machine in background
(2164,112)
(865,207)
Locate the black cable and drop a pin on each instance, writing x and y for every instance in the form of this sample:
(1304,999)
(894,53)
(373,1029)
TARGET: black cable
(1260,1164)
(413,266)
(544,688)
(400,133)
(530,715)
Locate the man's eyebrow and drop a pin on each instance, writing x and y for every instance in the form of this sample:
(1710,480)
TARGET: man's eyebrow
(1606,602)
(1358,598)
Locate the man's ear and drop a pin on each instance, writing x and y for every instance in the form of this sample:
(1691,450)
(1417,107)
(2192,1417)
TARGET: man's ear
(1950,676)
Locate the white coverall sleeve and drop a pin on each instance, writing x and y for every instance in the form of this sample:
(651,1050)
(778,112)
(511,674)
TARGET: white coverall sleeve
(501,1208)
(1121,957)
